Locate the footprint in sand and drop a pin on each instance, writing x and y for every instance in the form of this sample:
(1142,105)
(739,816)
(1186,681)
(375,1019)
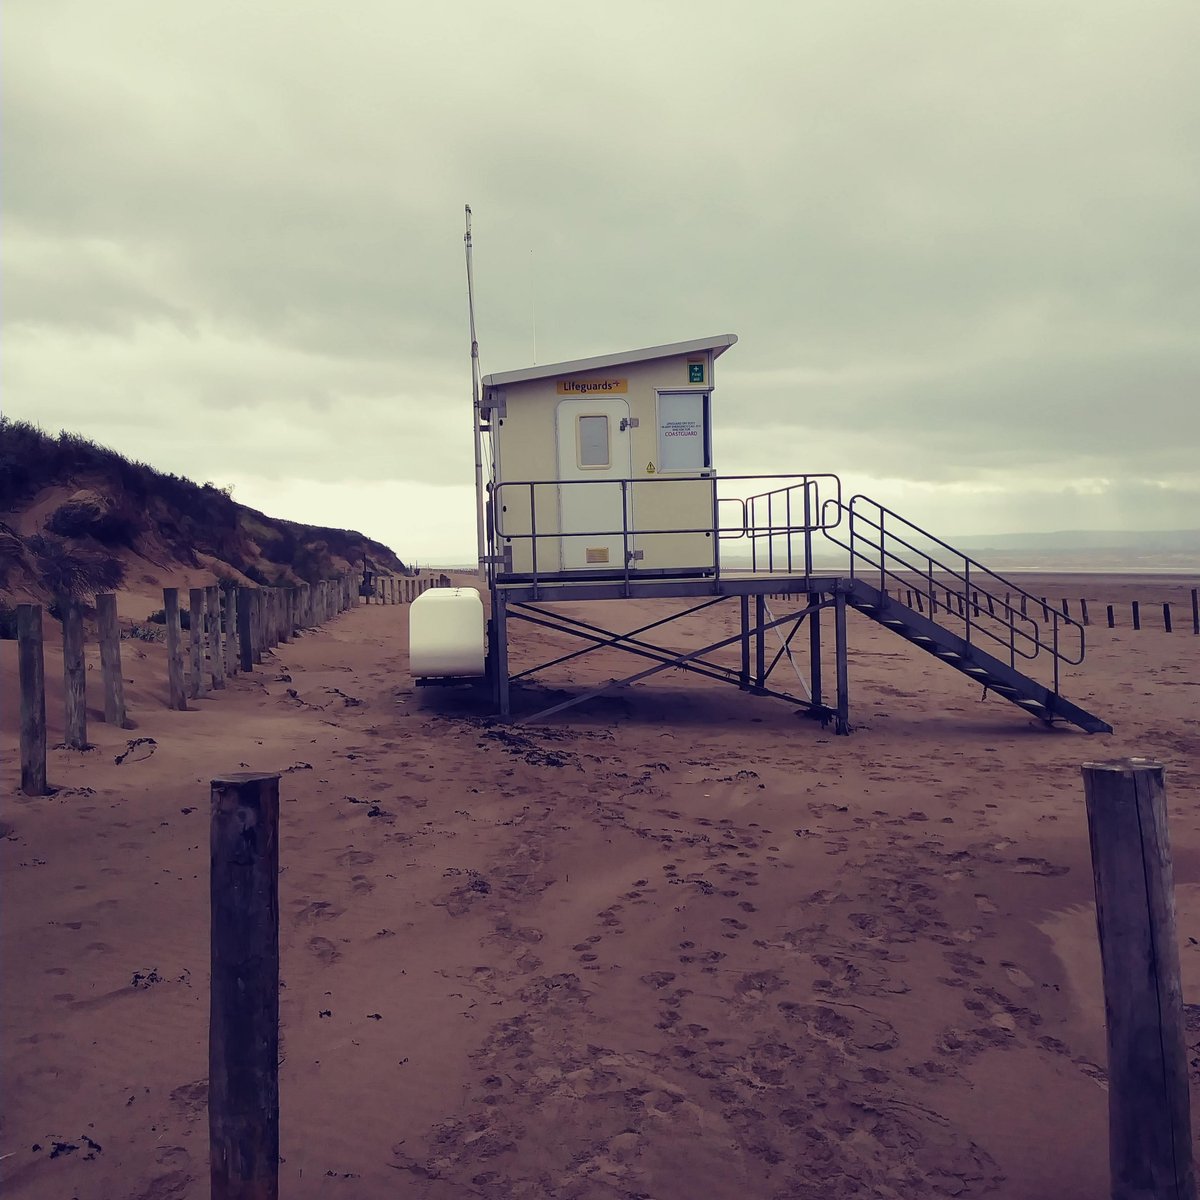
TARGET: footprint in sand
(985,905)
(324,950)
(316,910)
(1017,976)
(354,858)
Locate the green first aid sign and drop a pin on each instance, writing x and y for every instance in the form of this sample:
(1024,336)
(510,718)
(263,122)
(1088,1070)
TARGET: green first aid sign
(695,372)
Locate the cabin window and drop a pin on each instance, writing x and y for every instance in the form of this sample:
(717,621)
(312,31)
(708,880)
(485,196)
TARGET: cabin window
(593,442)
(684,441)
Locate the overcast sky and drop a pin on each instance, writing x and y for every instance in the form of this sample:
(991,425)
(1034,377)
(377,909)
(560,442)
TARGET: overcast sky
(959,240)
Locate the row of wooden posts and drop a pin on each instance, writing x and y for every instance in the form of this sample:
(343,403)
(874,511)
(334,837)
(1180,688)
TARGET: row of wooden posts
(957,602)
(230,629)
(403,589)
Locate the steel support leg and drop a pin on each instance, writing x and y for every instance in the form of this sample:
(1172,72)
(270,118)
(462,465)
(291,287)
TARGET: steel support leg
(745,613)
(814,651)
(760,644)
(500,655)
(842,723)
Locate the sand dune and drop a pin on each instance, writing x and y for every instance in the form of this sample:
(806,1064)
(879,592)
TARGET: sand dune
(679,943)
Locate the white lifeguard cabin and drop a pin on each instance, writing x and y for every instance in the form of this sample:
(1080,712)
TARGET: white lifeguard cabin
(604,466)
(595,481)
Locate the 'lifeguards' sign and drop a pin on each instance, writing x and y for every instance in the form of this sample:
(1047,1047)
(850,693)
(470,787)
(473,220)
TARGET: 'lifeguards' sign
(591,387)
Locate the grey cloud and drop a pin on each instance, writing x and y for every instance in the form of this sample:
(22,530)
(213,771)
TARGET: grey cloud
(959,242)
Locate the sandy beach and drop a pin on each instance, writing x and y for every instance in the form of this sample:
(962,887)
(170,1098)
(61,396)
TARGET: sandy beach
(679,942)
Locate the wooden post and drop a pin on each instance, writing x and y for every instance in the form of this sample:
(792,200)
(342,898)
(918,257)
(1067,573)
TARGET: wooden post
(1167,617)
(1083,608)
(245,624)
(31,670)
(1149,1124)
(285,616)
(216,652)
(1112,617)
(110,659)
(260,627)
(1196,610)
(176,685)
(197,684)
(243,1026)
(229,612)
(74,676)
(1024,605)
(1137,614)
(1066,612)
(1045,610)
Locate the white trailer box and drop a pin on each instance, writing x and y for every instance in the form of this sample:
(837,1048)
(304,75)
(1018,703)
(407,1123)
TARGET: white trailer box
(446,634)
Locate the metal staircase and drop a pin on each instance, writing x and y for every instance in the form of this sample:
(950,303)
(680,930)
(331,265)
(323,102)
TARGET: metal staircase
(957,610)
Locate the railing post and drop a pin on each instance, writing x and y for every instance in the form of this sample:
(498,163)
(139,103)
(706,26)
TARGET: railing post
(110,659)
(243,1030)
(970,597)
(74,676)
(1149,1125)
(31,669)
(176,687)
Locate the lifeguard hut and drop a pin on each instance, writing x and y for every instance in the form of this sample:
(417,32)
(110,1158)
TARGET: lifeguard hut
(603,466)
(602,486)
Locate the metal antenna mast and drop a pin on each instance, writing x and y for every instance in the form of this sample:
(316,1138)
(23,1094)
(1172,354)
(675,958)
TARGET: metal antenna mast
(478,416)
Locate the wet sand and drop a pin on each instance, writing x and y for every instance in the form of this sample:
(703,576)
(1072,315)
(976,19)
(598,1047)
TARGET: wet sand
(681,942)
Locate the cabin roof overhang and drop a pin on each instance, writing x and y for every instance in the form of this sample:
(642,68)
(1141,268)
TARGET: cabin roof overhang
(718,345)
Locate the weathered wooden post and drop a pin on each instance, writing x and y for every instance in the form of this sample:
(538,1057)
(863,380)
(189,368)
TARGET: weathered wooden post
(229,612)
(259,624)
(243,1027)
(216,653)
(31,670)
(1196,610)
(1112,617)
(1136,609)
(284,614)
(74,676)
(110,659)
(245,624)
(1083,608)
(1167,617)
(197,684)
(1149,1123)
(176,685)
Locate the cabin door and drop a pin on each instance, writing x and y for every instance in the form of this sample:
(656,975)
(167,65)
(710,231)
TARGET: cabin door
(594,454)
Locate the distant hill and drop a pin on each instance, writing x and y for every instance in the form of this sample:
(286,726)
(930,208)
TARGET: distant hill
(69,505)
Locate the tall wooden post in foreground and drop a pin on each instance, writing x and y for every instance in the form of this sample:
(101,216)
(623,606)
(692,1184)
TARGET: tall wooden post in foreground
(74,677)
(1149,1123)
(31,669)
(243,1028)
(110,659)
(176,684)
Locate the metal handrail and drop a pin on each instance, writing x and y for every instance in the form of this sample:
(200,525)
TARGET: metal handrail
(890,562)
(745,526)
